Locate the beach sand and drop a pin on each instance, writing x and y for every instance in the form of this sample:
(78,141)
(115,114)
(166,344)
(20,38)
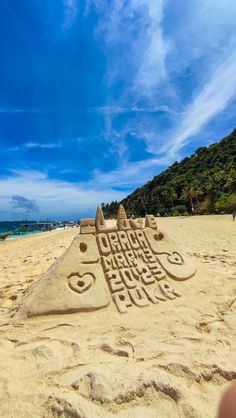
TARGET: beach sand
(169,360)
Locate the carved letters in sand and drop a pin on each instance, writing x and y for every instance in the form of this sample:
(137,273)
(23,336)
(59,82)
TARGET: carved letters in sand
(127,265)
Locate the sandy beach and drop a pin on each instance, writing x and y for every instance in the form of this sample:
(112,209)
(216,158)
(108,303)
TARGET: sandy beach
(173,360)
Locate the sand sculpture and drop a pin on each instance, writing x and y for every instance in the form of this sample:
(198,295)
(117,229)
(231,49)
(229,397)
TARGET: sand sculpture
(125,266)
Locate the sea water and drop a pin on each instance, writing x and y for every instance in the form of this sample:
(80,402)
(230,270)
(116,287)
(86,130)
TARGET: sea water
(13,226)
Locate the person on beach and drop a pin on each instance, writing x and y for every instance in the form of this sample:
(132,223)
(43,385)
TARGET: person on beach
(234,214)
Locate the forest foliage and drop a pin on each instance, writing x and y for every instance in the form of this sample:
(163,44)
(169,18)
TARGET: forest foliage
(203,183)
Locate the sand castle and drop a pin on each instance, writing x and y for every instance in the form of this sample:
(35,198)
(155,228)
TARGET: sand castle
(127,265)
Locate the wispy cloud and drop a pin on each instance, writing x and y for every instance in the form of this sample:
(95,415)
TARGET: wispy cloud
(55,198)
(129,174)
(212,99)
(21,110)
(70,13)
(135,27)
(107,109)
(152,64)
(34,175)
(116,110)
(42,145)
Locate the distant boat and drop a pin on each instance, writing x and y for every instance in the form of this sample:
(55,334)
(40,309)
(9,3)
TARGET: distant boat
(40,226)
(4,236)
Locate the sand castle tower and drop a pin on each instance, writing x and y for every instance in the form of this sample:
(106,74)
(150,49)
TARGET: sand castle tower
(120,267)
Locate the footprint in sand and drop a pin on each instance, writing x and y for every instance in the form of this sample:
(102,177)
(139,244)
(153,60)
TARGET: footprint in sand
(203,327)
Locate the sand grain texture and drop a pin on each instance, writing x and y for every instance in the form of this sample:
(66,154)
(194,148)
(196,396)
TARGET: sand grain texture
(173,359)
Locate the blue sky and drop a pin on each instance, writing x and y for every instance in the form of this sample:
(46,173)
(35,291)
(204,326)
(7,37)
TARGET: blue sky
(98,96)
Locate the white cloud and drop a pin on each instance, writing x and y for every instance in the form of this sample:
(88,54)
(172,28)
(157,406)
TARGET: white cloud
(116,110)
(49,145)
(56,199)
(152,64)
(25,174)
(212,99)
(129,174)
(135,27)
(132,37)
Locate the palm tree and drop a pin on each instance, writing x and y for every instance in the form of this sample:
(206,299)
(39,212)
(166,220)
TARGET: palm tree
(230,184)
(143,203)
(188,193)
(168,196)
(197,191)
(172,196)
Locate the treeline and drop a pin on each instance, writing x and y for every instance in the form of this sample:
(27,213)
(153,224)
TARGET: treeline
(203,183)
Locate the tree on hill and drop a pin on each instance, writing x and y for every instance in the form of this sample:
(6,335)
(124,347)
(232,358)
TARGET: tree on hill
(190,192)
(197,181)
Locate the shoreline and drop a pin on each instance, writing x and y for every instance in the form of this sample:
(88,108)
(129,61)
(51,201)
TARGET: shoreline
(43,233)
(228,217)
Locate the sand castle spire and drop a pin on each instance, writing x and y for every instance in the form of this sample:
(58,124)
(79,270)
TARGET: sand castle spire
(100,222)
(122,222)
(121,213)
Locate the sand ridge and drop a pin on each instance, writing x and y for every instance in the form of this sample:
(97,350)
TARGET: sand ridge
(170,360)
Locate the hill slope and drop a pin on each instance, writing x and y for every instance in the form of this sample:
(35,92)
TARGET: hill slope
(202,183)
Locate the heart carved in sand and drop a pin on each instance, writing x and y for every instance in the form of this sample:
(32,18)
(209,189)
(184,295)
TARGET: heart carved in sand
(81,283)
(175,258)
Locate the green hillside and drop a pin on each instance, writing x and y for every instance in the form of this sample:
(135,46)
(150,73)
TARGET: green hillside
(202,183)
